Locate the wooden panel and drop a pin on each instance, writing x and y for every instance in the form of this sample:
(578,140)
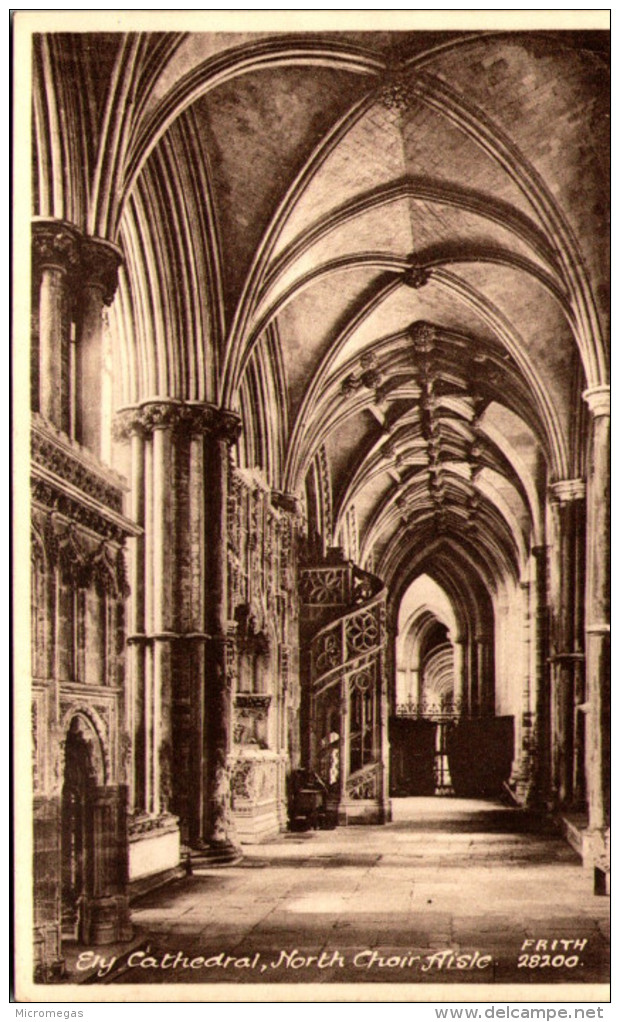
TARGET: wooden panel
(412,744)
(480,754)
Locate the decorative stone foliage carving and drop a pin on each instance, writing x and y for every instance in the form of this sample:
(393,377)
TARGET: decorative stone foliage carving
(100,265)
(66,506)
(55,243)
(73,560)
(261,559)
(103,571)
(182,418)
(90,261)
(82,562)
(256,703)
(253,780)
(230,659)
(369,376)
(326,491)
(55,452)
(416,276)
(241,780)
(398,91)
(424,336)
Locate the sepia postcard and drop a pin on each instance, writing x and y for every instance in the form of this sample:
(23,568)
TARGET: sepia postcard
(311,505)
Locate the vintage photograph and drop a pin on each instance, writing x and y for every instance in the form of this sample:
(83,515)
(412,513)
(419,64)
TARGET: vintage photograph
(312,505)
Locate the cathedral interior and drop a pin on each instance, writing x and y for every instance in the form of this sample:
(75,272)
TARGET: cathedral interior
(319,449)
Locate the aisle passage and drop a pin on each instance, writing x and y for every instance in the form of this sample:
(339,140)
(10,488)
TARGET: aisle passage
(450,891)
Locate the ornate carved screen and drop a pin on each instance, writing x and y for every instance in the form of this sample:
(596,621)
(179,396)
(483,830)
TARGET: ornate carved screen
(346,690)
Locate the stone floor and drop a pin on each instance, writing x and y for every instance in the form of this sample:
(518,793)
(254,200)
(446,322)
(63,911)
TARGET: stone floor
(451,891)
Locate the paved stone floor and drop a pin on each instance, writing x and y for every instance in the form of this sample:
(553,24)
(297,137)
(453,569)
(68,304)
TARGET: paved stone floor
(450,891)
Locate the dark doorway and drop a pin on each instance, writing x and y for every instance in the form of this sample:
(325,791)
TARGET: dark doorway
(412,761)
(480,754)
(78,795)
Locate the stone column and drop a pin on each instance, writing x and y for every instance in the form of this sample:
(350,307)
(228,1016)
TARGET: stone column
(384,711)
(579,764)
(195,640)
(460,674)
(471,689)
(179,637)
(417,687)
(150,427)
(522,768)
(539,792)
(55,261)
(137,631)
(162,551)
(345,727)
(484,669)
(598,692)
(99,278)
(564,495)
(46,875)
(220,678)
(107,910)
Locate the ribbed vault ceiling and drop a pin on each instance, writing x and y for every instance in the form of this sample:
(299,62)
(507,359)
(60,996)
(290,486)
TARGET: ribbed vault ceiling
(411,224)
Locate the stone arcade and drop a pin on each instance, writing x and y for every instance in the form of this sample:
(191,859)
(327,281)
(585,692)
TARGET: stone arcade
(319,443)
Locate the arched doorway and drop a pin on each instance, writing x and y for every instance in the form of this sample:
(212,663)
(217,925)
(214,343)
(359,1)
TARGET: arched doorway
(445,735)
(93,853)
(78,796)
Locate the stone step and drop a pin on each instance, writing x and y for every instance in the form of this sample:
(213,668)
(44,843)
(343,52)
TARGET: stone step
(196,860)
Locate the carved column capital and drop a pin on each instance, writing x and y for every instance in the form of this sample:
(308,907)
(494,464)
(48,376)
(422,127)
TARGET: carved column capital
(144,419)
(566,490)
(158,415)
(94,261)
(183,418)
(288,502)
(55,244)
(598,400)
(127,423)
(226,425)
(100,265)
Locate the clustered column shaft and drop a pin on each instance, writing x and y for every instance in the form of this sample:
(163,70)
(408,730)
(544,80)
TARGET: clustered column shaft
(180,635)
(598,690)
(566,639)
(75,276)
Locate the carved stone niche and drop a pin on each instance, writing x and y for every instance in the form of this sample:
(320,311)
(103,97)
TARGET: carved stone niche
(253,649)
(251,722)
